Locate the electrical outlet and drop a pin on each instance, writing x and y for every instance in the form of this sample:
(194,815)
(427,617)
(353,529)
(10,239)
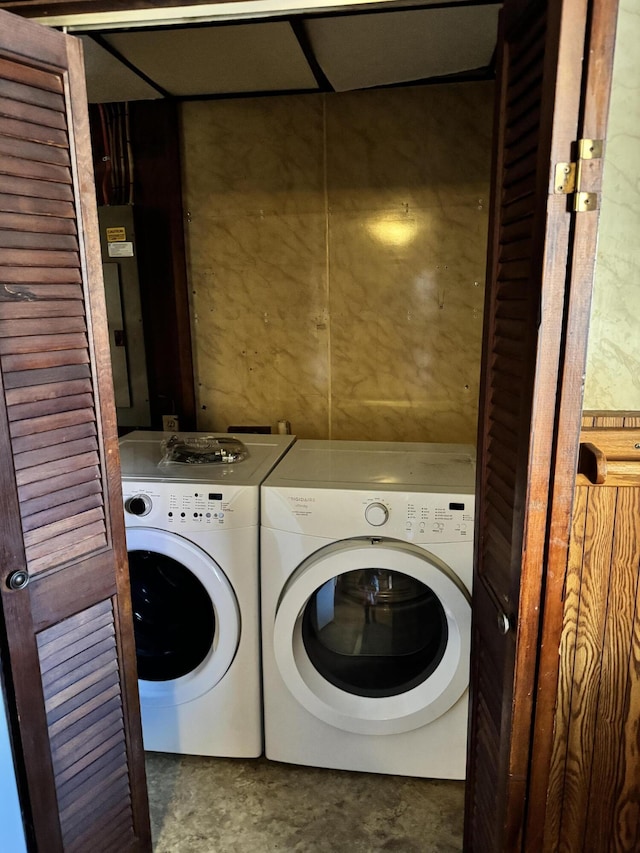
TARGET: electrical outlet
(170,423)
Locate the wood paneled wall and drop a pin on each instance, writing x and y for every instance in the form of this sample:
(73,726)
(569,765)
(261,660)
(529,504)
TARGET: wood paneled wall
(593,801)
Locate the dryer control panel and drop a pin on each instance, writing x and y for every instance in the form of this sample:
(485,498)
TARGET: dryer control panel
(436,520)
(189,507)
(413,516)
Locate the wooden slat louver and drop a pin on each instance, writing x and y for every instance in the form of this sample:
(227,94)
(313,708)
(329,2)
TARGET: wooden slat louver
(481,807)
(507,389)
(44,354)
(67,644)
(511,340)
(554,71)
(86,729)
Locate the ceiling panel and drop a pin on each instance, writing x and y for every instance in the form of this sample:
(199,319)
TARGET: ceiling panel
(109,80)
(257,57)
(360,51)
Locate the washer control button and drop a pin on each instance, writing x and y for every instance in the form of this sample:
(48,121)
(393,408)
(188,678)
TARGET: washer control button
(376,514)
(138,505)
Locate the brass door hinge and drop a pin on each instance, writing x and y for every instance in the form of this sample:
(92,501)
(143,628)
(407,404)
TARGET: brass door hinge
(565,178)
(568,176)
(585,201)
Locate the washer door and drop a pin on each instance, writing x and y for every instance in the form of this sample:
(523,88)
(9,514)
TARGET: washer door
(185,617)
(373,636)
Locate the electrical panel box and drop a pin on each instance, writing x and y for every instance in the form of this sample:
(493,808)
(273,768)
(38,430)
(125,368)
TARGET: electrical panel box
(124,315)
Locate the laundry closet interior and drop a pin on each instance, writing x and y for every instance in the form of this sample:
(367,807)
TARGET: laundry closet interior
(293,213)
(334,244)
(275,251)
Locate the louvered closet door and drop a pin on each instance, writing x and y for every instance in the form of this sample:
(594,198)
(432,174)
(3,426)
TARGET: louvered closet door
(525,402)
(67,643)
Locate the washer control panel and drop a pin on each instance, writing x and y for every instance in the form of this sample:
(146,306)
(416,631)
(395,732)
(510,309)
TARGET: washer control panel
(188,507)
(138,504)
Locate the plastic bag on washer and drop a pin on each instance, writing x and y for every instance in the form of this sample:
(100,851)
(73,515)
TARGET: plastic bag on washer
(202,450)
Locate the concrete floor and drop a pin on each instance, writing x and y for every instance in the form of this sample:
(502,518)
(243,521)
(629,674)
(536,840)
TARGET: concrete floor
(217,805)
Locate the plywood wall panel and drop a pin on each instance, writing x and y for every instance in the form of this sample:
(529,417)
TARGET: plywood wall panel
(613,708)
(336,251)
(590,629)
(573,580)
(594,790)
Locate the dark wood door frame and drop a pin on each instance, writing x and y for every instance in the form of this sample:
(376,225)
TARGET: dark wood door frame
(524,509)
(595,98)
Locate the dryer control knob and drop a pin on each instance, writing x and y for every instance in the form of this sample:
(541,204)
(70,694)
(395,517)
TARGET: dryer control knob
(376,514)
(138,505)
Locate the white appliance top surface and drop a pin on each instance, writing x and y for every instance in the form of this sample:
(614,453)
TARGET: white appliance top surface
(397,466)
(141,454)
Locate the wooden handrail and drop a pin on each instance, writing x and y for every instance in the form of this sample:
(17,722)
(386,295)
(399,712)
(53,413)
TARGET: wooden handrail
(609,457)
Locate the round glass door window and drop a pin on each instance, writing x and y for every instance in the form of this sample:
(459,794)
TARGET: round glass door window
(173,617)
(186,617)
(373,635)
(374,632)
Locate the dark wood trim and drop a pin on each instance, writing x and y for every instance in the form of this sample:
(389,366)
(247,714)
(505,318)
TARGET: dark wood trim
(164,289)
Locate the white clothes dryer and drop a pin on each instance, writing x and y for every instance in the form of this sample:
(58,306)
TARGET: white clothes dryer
(366,569)
(193,544)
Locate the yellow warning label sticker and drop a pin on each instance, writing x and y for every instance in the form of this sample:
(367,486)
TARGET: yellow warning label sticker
(116,235)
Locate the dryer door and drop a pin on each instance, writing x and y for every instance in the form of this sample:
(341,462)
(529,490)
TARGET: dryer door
(373,636)
(185,615)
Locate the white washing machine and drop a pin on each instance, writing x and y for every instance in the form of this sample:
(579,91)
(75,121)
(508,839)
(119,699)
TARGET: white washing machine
(366,568)
(193,540)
